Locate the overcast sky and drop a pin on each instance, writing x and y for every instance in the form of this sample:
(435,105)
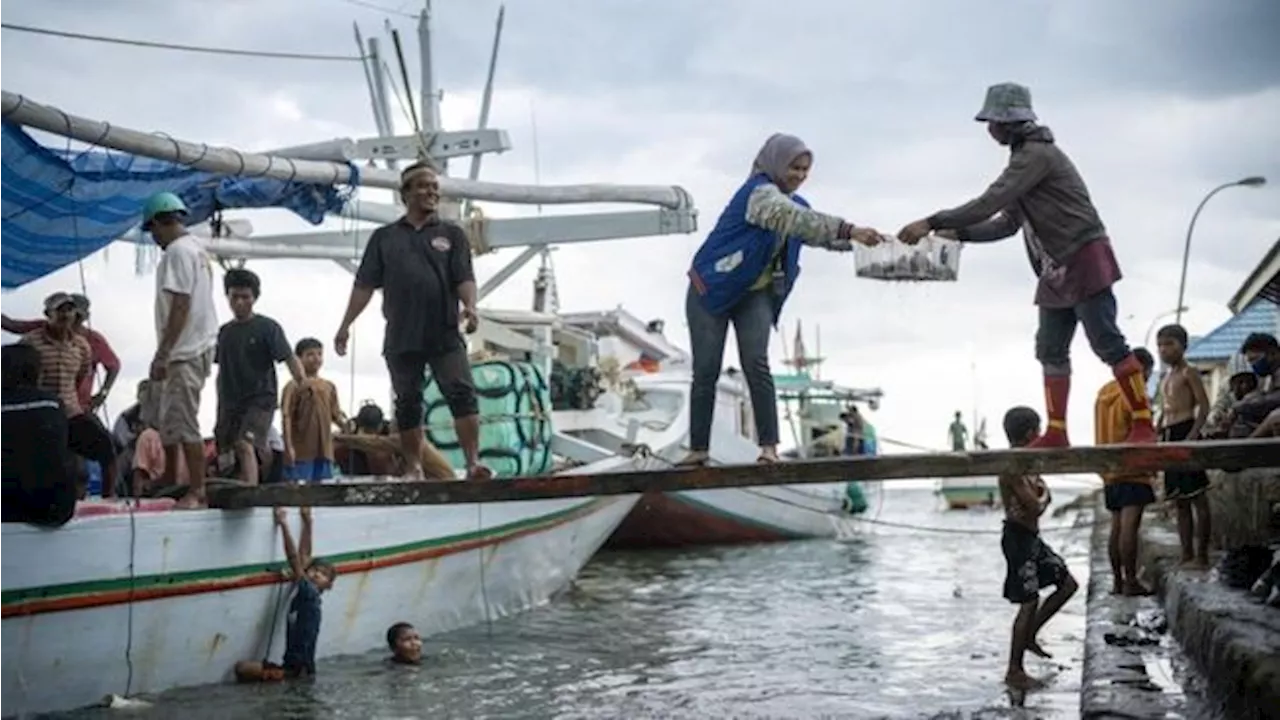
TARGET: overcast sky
(1156,103)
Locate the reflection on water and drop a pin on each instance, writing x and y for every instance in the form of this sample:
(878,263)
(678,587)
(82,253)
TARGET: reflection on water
(892,623)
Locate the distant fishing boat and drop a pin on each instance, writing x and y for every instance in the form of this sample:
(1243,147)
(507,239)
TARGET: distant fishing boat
(965,493)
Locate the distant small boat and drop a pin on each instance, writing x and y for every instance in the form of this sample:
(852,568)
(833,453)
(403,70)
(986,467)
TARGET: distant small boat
(965,493)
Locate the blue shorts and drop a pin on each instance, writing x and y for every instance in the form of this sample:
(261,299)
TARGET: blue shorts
(310,470)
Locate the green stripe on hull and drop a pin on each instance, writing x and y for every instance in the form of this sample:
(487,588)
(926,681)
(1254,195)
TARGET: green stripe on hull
(172,580)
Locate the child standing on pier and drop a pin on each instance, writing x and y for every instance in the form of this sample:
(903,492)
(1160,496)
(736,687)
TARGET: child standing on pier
(313,577)
(1032,565)
(1126,495)
(1184,412)
(308,418)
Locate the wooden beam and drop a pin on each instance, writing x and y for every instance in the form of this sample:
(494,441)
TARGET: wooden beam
(1228,455)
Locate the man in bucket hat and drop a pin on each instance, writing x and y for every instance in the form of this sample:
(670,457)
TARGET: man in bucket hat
(1042,193)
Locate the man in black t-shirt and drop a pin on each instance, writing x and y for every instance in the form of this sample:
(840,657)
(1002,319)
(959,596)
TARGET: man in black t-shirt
(422,264)
(248,349)
(39,484)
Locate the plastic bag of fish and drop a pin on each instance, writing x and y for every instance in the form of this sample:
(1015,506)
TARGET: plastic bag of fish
(933,259)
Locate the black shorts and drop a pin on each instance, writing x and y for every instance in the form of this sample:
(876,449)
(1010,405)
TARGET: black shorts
(1032,566)
(249,424)
(1182,484)
(1120,495)
(451,370)
(89,438)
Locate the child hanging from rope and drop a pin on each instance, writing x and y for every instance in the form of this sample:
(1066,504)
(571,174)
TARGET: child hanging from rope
(313,577)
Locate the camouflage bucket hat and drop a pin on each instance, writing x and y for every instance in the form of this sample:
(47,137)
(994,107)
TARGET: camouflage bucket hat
(1007,103)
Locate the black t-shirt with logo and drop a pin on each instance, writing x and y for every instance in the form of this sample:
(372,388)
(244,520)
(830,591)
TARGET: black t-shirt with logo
(419,271)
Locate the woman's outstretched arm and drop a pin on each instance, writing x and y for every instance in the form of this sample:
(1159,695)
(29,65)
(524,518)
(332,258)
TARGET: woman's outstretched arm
(768,207)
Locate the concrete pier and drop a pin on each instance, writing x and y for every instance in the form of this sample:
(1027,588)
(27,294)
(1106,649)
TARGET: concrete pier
(1220,657)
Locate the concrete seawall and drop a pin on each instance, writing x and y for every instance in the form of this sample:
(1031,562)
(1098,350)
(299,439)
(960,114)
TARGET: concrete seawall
(1227,649)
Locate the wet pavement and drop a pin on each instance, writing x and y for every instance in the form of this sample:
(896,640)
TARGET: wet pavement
(1133,668)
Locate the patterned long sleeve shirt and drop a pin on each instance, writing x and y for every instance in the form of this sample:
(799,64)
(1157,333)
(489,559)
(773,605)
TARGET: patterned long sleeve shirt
(770,208)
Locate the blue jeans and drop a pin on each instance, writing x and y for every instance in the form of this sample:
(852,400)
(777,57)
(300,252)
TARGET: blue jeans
(1097,314)
(752,320)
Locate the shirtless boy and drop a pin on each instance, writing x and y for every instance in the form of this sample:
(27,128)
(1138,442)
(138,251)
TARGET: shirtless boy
(1032,566)
(1184,412)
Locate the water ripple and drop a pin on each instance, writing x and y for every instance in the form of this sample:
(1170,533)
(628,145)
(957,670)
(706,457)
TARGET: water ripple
(892,623)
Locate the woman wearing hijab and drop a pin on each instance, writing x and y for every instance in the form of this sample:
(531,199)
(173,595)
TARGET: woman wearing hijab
(742,275)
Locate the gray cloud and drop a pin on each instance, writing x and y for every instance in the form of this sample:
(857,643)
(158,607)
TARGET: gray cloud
(1155,108)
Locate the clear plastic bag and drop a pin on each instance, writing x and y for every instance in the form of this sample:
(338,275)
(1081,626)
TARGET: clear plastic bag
(933,259)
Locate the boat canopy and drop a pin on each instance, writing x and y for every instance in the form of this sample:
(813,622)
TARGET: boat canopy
(60,206)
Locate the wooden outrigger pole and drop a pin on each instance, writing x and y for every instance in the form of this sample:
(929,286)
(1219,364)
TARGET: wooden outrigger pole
(1231,455)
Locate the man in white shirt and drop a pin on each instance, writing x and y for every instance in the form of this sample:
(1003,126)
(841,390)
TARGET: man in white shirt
(186,335)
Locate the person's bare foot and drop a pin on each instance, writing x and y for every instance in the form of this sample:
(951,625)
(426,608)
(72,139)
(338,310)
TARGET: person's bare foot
(696,458)
(1133,588)
(1200,563)
(1022,681)
(1034,648)
(191,501)
(479,472)
(768,457)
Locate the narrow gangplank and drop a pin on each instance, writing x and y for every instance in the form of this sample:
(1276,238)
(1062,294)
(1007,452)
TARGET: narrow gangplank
(1225,455)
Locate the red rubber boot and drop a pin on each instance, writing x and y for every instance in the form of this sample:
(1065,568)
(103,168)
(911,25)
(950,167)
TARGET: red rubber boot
(1134,387)
(1057,388)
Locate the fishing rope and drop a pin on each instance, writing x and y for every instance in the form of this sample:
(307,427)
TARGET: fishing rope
(181,48)
(130,506)
(275,615)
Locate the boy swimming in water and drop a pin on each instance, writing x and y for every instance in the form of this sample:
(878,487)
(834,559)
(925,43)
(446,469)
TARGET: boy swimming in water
(313,578)
(405,644)
(1032,565)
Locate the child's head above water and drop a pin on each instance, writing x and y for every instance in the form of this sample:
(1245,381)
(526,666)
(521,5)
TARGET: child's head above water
(1021,426)
(310,352)
(321,573)
(405,643)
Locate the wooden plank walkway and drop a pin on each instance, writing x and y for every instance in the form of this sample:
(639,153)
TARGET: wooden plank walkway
(1226,455)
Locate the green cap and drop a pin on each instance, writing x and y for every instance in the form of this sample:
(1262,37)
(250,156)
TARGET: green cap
(160,203)
(1007,103)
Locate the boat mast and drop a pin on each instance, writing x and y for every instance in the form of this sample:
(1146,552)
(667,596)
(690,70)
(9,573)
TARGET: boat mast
(430,95)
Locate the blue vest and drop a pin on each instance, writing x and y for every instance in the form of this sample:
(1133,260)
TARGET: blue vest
(735,254)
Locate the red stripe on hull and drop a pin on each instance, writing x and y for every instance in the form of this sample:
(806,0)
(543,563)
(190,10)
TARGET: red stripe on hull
(662,521)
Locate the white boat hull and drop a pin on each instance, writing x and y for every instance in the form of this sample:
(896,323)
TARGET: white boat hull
(206,588)
(965,493)
(659,421)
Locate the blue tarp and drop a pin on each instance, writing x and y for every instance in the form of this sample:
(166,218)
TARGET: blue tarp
(62,206)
